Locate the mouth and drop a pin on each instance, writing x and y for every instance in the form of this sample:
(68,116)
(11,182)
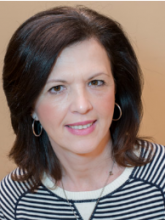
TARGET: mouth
(82,128)
(81,125)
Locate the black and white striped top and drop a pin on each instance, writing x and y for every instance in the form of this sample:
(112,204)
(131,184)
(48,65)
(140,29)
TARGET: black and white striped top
(139,193)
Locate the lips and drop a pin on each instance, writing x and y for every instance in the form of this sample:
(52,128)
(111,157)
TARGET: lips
(82,128)
(81,123)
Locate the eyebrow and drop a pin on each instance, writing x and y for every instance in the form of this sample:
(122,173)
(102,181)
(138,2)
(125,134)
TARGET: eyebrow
(98,74)
(64,81)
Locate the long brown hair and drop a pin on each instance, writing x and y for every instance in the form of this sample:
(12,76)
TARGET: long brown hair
(30,56)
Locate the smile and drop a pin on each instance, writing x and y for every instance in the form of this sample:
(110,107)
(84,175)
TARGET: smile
(81,126)
(85,129)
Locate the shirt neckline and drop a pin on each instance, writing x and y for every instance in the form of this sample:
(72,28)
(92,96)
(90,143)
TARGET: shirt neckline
(88,195)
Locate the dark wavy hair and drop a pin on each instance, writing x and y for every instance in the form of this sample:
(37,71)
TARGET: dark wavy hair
(30,56)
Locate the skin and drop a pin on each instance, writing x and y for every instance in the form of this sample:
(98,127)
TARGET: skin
(84,159)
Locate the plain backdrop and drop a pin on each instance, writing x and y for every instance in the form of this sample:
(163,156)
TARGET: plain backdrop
(144,24)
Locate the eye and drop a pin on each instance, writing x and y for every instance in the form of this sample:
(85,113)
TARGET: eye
(56,89)
(97,82)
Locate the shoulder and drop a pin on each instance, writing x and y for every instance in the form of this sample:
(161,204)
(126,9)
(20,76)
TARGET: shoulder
(10,193)
(154,171)
(157,149)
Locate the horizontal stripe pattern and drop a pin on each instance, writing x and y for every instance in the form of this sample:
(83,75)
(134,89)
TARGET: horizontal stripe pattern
(141,197)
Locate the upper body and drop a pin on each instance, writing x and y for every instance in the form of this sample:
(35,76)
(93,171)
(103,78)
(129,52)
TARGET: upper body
(73,85)
(138,193)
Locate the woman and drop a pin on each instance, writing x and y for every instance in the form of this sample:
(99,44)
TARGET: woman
(73,86)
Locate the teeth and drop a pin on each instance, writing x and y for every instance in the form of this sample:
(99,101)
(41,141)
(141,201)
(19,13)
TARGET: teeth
(81,126)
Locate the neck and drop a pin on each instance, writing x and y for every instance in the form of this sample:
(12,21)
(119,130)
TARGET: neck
(82,172)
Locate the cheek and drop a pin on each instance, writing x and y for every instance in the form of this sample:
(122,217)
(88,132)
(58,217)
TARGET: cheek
(48,113)
(105,105)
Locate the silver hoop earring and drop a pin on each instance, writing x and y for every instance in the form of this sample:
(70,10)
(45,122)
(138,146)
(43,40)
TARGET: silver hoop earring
(33,129)
(116,119)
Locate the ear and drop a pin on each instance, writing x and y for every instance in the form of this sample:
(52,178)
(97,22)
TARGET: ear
(35,116)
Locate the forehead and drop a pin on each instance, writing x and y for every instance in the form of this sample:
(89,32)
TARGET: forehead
(81,58)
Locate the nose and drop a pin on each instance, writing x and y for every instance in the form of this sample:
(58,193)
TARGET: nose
(81,102)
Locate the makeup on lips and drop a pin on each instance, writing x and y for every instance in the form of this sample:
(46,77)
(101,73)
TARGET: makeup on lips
(82,128)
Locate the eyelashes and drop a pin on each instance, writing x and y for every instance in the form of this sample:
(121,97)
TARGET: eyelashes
(60,88)
(56,89)
(97,82)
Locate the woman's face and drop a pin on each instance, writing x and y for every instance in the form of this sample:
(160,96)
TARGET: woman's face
(76,105)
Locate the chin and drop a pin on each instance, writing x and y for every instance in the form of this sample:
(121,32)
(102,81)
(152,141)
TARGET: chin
(81,150)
